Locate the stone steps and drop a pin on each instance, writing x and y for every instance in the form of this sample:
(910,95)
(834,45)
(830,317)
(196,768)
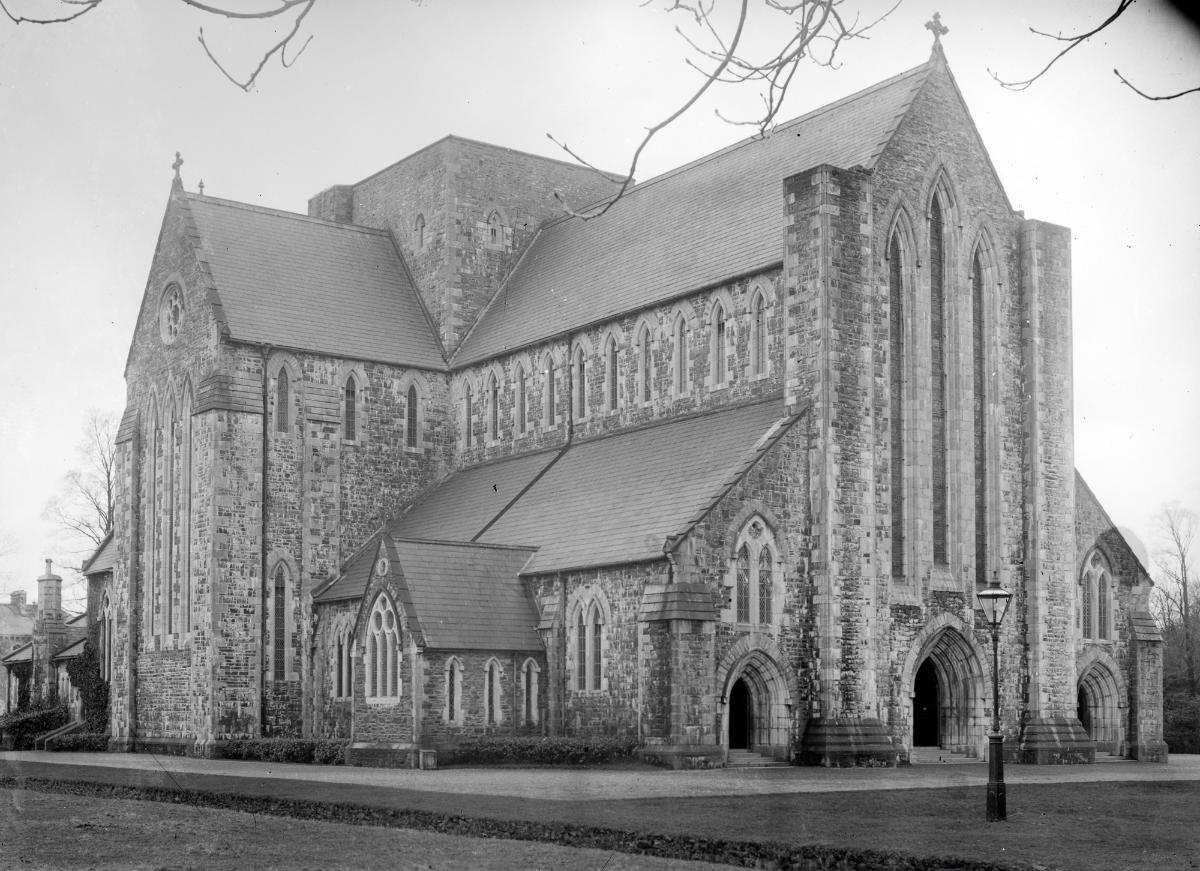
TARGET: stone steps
(750,759)
(936,755)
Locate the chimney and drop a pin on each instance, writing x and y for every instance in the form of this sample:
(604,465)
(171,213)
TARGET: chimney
(50,596)
(18,599)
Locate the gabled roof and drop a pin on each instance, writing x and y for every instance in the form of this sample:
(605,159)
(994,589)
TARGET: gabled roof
(24,653)
(457,595)
(298,282)
(71,651)
(615,499)
(702,224)
(103,559)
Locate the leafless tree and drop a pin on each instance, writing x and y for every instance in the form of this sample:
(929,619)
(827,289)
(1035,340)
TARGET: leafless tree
(1177,587)
(809,31)
(1073,42)
(83,509)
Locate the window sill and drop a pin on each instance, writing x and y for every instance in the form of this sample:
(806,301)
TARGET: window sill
(382,701)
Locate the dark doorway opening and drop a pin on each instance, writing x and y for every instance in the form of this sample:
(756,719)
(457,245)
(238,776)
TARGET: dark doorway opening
(741,717)
(925,707)
(1084,711)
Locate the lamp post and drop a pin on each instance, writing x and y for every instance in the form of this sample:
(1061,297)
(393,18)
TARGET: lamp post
(994,602)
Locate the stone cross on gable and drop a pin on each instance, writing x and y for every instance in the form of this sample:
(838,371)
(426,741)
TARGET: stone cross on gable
(936,27)
(178,163)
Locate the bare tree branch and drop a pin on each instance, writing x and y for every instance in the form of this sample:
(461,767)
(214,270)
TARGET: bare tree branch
(84,507)
(86,6)
(279,47)
(1073,42)
(816,31)
(1178,527)
(1142,93)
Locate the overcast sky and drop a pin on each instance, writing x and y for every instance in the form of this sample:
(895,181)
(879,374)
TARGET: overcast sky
(92,113)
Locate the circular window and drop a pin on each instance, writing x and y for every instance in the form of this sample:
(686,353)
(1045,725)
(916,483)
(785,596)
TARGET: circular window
(170,313)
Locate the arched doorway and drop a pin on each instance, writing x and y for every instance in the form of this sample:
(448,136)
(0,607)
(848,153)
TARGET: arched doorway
(1083,711)
(925,719)
(741,717)
(1099,706)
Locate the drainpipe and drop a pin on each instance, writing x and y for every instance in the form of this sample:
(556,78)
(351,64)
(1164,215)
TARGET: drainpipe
(262,670)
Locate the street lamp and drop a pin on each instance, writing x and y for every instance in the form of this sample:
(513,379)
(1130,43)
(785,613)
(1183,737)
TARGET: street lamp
(994,602)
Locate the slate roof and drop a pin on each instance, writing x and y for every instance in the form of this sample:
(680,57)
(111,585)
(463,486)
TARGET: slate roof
(298,282)
(459,595)
(70,651)
(1144,626)
(702,224)
(615,499)
(677,602)
(24,653)
(104,559)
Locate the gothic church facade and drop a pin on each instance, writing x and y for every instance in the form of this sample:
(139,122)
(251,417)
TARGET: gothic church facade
(722,469)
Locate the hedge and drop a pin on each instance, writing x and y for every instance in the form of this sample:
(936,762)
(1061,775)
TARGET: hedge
(24,726)
(1181,723)
(516,749)
(323,752)
(79,742)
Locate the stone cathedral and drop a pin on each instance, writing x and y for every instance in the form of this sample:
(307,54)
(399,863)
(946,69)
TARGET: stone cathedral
(719,471)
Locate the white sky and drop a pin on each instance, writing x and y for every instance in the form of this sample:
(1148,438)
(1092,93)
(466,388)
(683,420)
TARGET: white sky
(91,114)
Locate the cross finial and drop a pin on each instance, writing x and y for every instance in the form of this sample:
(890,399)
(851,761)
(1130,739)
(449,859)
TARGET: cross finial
(935,26)
(178,163)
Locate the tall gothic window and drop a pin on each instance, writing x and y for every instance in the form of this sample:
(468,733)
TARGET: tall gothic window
(453,691)
(169,568)
(580,385)
(495,232)
(419,233)
(529,691)
(383,650)
(719,345)
(550,388)
(468,413)
(979,413)
(282,399)
(896,396)
(937,376)
(344,673)
(753,574)
(410,418)
(350,424)
(492,696)
(610,373)
(680,362)
(743,584)
(493,408)
(1096,597)
(589,646)
(279,608)
(645,365)
(758,335)
(581,671)
(522,388)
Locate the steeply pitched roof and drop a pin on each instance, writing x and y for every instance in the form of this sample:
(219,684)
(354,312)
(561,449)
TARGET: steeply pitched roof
(103,559)
(457,595)
(609,500)
(71,651)
(298,282)
(24,653)
(702,224)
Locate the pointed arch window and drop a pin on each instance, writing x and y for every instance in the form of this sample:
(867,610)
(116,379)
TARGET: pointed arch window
(530,674)
(344,664)
(492,693)
(588,646)
(493,408)
(106,639)
(411,424)
(679,362)
(758,335)
(495,230)
(419,233)
(382,663)
(522,394)
(581,670)
(979,418)
(645,365)
(610,374)
(282,400)
(896,399)
(579,385)
(550,388)
(1096,590)
(350,410)
(454,711)
(468,413)
(754,578)
(937,377)
(279,608)
(719,338)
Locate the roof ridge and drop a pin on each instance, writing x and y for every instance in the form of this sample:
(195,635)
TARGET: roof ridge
(750,140)
(773,396)
(452,543)
(283,213)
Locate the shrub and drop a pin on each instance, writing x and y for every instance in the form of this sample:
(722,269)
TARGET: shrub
(24,726)
(325,752)
(79,742)
(513,749)
(1181,723)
